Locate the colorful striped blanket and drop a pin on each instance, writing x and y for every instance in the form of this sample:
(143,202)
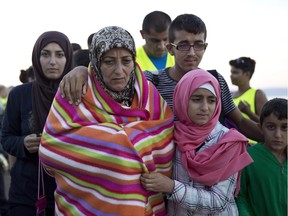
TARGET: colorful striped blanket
(97,151)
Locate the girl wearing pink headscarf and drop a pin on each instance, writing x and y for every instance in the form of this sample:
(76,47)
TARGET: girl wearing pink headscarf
(209,156)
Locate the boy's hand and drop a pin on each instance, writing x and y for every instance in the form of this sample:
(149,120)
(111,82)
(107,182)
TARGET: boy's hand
(74,84)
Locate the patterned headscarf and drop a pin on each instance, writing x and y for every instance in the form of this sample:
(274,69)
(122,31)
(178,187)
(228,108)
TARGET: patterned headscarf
(44,89)
(104,40)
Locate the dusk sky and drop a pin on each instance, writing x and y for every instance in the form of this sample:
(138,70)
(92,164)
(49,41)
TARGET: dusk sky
(254,28)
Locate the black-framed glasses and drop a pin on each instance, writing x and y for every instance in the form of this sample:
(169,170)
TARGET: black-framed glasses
(187,47)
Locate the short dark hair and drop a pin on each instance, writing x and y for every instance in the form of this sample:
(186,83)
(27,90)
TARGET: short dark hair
(277,106)
(187,22)
(26,74)
(157,20)
(76,46)
(81,58)
(89,40)
(246,64)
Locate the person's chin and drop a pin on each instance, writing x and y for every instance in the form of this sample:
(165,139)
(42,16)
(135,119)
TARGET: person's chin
(118,88)
(202,123)
(160,54)
(53,77)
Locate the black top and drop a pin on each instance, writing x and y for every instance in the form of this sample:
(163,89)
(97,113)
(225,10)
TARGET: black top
(24,173)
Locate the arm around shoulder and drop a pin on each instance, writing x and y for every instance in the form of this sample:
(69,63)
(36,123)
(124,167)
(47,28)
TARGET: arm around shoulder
(74,84)
(246,126)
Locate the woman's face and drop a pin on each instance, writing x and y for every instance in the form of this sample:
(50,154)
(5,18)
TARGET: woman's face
(116,67)
(201,107)
(53,61)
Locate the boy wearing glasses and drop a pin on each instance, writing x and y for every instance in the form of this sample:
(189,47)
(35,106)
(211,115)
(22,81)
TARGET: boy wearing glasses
(187,43)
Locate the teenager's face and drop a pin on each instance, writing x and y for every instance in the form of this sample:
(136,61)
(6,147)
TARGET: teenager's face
(275,133)
(238,77)
(53,61)
(201,107)
(116,67)
(155,42)
(187,60)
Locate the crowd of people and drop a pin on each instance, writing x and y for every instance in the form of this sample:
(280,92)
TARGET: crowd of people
(116,129)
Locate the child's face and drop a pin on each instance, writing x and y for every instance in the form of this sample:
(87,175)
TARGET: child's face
(201,107)
(275,133)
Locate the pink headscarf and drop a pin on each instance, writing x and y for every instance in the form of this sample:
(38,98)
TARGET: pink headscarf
(221,160)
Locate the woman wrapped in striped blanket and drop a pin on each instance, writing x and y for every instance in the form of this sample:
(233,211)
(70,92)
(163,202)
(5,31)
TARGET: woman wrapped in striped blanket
(97,150)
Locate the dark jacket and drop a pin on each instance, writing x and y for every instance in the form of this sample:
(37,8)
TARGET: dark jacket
(24,173)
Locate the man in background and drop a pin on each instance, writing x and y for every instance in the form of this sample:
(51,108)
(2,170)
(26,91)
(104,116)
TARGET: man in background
(153,55)
(249,100)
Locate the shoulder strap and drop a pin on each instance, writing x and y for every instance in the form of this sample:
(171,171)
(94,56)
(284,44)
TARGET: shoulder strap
(221,117)
(41,188)
(214,73)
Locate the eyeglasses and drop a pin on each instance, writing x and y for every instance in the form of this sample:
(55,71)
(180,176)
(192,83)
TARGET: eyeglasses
(187,47)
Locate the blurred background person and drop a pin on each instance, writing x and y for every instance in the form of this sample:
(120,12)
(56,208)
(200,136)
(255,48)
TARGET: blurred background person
(249,100)
(4,167)
(27,75)
(77,58)
(76,47)
(3,171)
(3,96)
(81,58)
(153,55)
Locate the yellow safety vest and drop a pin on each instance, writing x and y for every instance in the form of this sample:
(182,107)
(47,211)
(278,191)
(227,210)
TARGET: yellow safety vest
(3,101)
(146,64)
(249,96)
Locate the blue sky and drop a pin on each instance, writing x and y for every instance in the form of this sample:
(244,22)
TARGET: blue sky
(254,28)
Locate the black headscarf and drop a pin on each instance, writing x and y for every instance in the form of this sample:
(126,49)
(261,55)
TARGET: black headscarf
(44,89)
